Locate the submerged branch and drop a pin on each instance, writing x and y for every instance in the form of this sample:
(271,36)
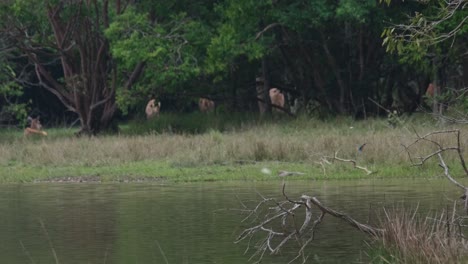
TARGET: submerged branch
(299,228)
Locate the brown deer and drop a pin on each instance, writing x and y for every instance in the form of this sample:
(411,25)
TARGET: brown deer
(432,90)
(152,109)
(206,105)
(35,127)
(277,99)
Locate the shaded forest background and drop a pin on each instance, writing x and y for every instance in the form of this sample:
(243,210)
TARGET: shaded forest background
(100,61)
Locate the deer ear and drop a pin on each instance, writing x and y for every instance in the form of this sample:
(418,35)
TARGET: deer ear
(29,118)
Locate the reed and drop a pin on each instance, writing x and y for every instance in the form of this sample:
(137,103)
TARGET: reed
(412,238)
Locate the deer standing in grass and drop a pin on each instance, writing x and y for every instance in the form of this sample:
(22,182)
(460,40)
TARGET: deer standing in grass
(206,105)
(277,99)
(152,109)
(35,127)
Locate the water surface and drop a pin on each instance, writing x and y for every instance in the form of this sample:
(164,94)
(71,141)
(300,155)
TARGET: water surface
(184,223)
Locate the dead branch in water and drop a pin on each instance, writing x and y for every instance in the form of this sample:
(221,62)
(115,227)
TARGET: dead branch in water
(278,223)
(282,224)
(439,150)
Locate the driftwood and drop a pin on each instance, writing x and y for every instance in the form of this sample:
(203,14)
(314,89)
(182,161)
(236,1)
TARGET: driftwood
(282,224)
(325,160)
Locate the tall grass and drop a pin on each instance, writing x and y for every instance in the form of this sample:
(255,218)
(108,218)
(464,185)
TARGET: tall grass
(299,140)
(411,238)
(191,123)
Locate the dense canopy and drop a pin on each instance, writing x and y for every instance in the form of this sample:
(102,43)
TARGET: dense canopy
(96,60)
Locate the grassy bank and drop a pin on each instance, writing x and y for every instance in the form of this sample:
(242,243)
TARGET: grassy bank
(214,149)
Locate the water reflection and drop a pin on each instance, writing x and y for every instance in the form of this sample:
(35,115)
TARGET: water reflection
(183,223)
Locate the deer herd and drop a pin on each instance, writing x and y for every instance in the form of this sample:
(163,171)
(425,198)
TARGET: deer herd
(277,100)
(153,109)
(205,105)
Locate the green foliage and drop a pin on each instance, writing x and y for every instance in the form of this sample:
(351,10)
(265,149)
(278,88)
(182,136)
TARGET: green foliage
(10,91)
(357,10)
(433,29)
(301,15)
(172,52)
(31,19)
(215,48)
(236,35)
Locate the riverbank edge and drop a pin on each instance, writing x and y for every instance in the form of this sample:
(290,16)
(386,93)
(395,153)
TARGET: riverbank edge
(165,171)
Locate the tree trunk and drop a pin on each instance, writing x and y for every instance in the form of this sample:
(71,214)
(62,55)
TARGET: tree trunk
(436,84)
(86,62)
(262,89)
(339,79)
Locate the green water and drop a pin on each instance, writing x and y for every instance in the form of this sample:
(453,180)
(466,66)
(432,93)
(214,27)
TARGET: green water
(185,223)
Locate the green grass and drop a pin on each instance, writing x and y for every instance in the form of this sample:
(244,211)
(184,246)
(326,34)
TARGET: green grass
(166,171)
(215,148)
(192,123)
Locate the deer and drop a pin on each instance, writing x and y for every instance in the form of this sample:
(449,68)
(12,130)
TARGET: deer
(152,109)
(277,99)
(206,105)
(35,127)
(432,90)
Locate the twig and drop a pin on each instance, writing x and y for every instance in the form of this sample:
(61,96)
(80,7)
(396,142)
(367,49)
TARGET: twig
(162,252)
(27,252)
(270,26)
(49,240)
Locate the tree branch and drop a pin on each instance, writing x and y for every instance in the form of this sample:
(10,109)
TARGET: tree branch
(283,215)
(355,165)
(440,149)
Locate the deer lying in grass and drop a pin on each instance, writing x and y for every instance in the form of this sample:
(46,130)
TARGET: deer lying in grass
(152,109)
(35,127)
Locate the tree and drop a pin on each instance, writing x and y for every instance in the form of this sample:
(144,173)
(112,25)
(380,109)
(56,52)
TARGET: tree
(434,38)
(169,39)
(65,43)
(327,54)
(11,110)
(168,46)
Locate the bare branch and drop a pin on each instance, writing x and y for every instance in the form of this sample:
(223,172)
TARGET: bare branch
(335,157)
(259,34)
(440,149)
(285,217)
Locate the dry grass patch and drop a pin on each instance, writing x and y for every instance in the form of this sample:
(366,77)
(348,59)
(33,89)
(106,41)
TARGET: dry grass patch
(410,238)
(287,142)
